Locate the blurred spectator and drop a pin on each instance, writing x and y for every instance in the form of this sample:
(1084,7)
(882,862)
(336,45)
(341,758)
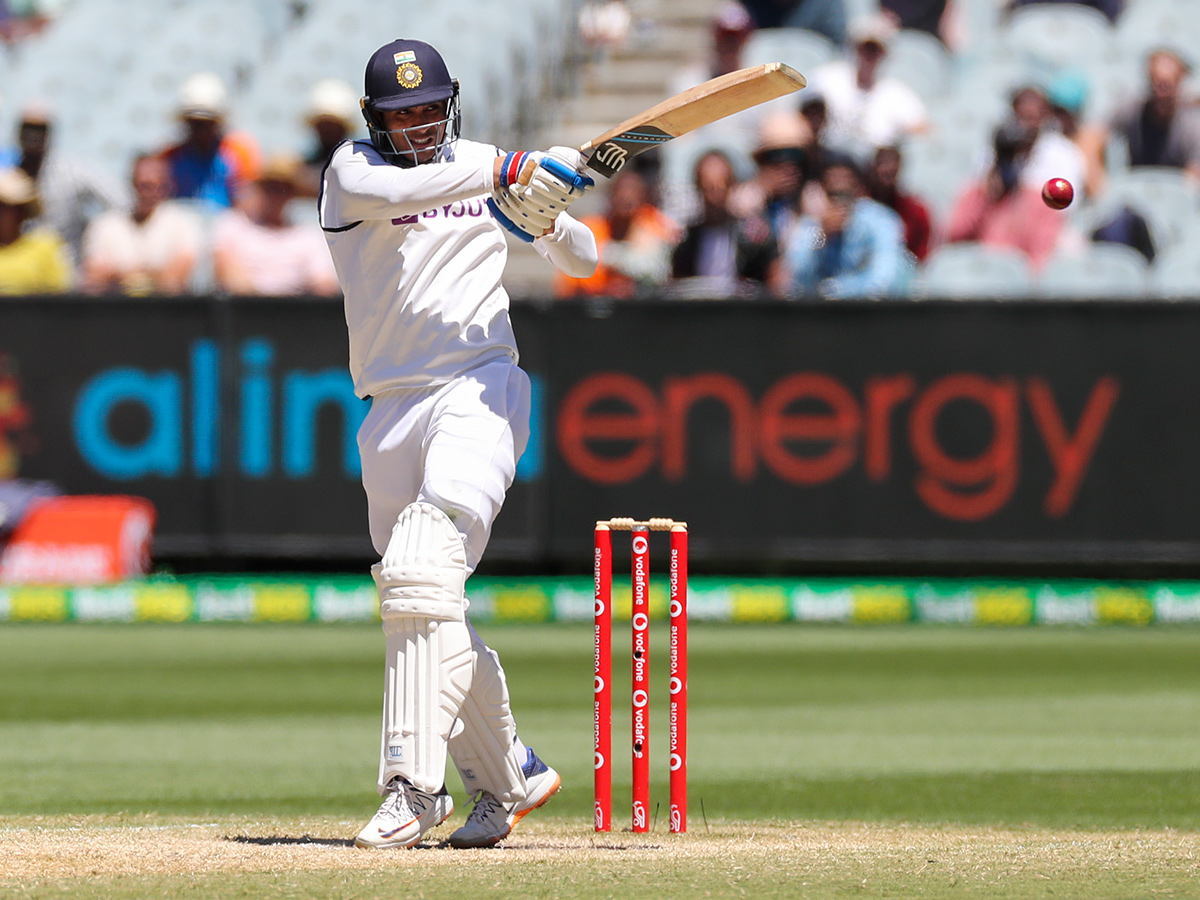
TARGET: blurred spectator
(70,192)
(827,17)
(1129,227)
(152,249)
(333,115)
(730,27)
(209,164)
(256,251)
(20,19)
(1159,129)
(1001,210)
(719,247)
(780,161)
(604,25)
(1067,94)
(1054,155)
(815,114)
(865,111)
(931,16)
(1110,8)
(634,239)
(32,261)
(854,247)
(884,187)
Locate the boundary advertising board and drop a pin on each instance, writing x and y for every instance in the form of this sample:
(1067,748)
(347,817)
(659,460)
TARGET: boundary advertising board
(786,434)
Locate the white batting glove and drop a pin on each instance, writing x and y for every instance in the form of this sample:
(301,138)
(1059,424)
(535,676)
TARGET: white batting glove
(525,220)
(557,178)
(535,187)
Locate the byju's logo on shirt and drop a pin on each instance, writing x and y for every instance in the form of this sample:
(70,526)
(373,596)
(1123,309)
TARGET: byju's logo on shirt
(457,210)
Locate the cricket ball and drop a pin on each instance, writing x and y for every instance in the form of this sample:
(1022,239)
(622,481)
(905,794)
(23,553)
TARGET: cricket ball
(1057,193)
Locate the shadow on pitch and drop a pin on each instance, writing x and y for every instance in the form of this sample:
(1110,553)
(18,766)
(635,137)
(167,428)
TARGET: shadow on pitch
(277,841)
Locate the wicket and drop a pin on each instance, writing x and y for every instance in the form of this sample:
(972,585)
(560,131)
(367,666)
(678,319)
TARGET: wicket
(640,693)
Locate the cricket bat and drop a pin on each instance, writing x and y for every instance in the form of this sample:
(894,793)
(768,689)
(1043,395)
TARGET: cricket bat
(686,111)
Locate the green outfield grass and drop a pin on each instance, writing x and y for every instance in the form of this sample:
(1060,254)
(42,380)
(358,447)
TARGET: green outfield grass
(1053,729)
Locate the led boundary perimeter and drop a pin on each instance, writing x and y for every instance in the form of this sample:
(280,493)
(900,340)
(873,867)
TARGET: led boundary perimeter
(640,694)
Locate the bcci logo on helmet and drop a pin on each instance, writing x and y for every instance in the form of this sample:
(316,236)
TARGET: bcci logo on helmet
(409,75)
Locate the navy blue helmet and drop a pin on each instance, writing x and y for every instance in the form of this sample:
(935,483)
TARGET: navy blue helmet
(404,74)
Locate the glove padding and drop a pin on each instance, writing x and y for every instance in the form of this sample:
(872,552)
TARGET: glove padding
(525,221)
(535,187)
(556,179)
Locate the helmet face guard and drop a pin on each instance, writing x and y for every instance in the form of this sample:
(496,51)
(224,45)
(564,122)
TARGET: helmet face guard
(398,146)
(406,74)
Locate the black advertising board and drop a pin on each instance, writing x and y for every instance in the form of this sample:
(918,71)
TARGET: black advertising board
(840,433)
(999,432)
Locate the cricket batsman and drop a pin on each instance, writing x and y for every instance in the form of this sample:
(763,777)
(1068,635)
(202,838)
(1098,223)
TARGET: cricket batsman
(415,218)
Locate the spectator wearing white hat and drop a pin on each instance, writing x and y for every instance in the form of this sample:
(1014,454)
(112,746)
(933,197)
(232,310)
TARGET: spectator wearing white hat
(865,111)
(333,116)
(32,261)
(209,164)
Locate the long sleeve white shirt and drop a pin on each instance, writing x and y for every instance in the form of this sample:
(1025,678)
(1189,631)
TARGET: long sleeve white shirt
(420,260)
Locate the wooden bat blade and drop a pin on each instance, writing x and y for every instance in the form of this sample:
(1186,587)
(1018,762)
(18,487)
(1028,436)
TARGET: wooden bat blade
(694,108)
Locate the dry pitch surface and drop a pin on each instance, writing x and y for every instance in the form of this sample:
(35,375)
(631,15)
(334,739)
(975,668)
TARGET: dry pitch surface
(119,857)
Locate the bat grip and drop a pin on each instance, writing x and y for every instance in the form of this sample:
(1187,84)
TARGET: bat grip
(555,167)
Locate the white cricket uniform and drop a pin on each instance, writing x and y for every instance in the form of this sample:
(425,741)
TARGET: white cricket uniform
(420,260)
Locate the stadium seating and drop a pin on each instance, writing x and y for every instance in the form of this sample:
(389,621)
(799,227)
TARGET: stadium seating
(1176,273)
(1165,197)
(800,49)
(921,61)
(1056,34)
(1098,271)
(119,98)
(967,270)
(1149,24)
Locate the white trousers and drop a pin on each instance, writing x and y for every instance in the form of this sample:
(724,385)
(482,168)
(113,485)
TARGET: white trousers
(454,445)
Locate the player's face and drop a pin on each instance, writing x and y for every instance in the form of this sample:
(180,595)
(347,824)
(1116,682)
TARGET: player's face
(417,128)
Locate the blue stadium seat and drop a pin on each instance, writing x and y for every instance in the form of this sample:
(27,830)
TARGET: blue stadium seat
(802,50)
(919,60)
(1176,274)
(968,270)
(1057,34)
(1100,271)
(1168,200)
(1149,24)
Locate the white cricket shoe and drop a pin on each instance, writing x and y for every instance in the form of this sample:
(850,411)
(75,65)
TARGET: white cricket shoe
(491,821)
(405,815)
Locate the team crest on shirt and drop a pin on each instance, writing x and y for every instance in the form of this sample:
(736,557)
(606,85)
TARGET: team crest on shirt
(409,75)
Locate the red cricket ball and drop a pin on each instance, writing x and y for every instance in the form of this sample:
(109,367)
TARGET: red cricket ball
(1057,193)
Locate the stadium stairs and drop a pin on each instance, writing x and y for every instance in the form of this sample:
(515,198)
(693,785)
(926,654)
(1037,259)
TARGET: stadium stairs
(666,36)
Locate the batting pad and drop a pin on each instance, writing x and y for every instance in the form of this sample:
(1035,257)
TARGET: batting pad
(429,658)
(484,746)
(424,567)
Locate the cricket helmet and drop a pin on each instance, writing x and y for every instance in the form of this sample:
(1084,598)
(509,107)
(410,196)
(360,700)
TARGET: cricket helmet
(404,74)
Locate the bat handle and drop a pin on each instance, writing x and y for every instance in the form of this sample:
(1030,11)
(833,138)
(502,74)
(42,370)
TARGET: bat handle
(555,167)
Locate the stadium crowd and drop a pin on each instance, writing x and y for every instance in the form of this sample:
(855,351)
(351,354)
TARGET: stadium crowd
(207,212)
(812,199)
(807,198)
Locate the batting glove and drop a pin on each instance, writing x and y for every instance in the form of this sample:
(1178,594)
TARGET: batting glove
(535,187)
(526,221)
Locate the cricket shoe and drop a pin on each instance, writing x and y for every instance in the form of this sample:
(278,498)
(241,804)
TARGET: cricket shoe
(405,815)
(491,821)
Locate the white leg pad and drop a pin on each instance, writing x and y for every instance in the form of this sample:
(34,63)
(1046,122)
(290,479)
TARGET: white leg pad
(484,747)
(429,658)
